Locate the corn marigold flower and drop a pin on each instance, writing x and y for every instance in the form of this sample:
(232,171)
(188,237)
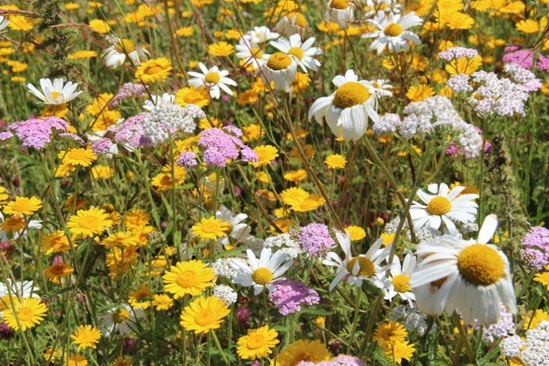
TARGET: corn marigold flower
(154,70)
(221,49)
(392,31)
(210,228)
(23,206)
(24,313)
(261,273)
(467,276)
(89,222)
(313,351)
(265,155)
(86,336)
(190,277)
(58,271)
(398,351)
(213,79)
(162,302)
(258,343)
(56,92)
(389,333)
(356,232)
(82,55)
(335,161)
(204,314)
(347,110)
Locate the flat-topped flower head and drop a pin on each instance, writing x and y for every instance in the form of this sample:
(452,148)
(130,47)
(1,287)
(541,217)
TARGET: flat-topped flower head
(302,52)
(392,31)
(467,276)
(347,110)
(443,206)
(56,92)
(261,273)
(212,79)
(279,68)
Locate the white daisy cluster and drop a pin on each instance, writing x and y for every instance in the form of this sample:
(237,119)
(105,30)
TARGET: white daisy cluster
(167,117)
(284,243)
(532,350)
(422,117)
(392,31)
(250,46)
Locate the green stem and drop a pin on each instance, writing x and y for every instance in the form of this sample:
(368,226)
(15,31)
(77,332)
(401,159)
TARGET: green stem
(218,345)
(355,320)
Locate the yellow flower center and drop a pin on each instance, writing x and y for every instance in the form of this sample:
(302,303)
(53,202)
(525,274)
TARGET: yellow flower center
(298,19)
(153,69)
(393,30)
(262,276)
(297,52)
(439,206)
(350,94)
(256,341)
(401,283)
(24,314)
(210,227)
(212,77)
(279,61)
(125,46)
(366,269)
(205,317)
(120,315)
(57,269)
(77,154)
(257,53)
(187,279)
(55,94)
(480,265)
(89,222)
(387,238)
(340,4)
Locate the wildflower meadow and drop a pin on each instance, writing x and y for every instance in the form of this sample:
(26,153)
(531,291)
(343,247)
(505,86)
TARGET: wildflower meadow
(274,182)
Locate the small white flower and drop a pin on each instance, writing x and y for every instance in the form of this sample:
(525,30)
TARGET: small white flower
(393,31)
(212,79)
(467,276)
(261,35)
(21,289)
(261,273)
(115,55)
(120,319)
(301,52)
(362,267)
(292,23)
(250,53)
(347,110)
(55,93)
(240,230)
(280,68)
(443,206)
(398,283)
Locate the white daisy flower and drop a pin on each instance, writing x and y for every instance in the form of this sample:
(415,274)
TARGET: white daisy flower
(261,35)
(386,6)
(359,268)
(250,53)
(280,68)
(443,206)
(261,273)
(21,289)
(393,31)
(120,319)
(292,23)
(398,282)
(301,52)
(468,276)
(347,110)
(212,79)
(340,12)
(55,93)
(239,229)
(115,55)
(3,23)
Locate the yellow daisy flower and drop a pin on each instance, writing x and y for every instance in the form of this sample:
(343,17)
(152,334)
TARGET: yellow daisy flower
(154,70)
(162,302)
(99,26)
(542,278)
(55,242)
(204,314)
(258,343)
(89,222)
(265,154)
(81,55)
(221,49)
(390,333)
(78,157)
(25,313)
(86,336)
(190,277)
(23,206)
(211,228)
(191,95)
(56,272)
(335,161)
(398,351)
(312,351)
(357,233)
